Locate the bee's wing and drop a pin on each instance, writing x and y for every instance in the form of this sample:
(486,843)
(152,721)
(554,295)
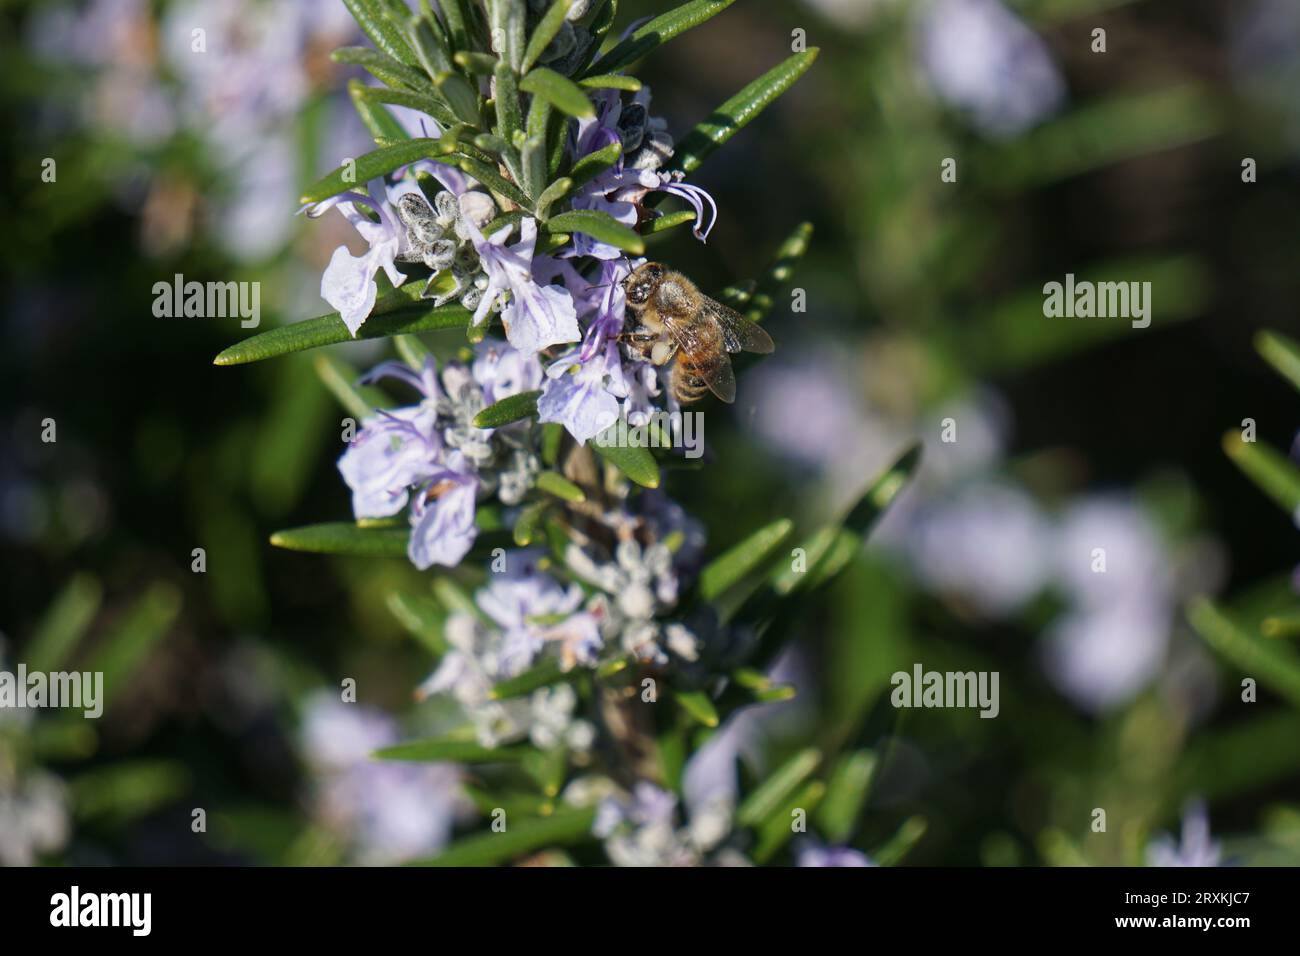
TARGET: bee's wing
(689,339)
(738,333)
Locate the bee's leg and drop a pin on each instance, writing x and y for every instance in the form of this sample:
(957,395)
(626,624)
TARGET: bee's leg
(641,342)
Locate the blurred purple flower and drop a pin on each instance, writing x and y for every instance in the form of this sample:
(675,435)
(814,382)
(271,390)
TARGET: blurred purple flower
(984,61)
(813,854)
(442,515)
(582,395)
(1196,848)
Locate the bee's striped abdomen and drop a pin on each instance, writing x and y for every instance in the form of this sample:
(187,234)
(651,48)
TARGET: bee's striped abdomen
(690,376)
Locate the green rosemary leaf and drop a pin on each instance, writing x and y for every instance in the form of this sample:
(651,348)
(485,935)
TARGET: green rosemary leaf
(422,617)
(379,162)
(600,226)
(732,565)
(1272,662)
(64,623)
(384,68)
(634,461)
(411,351)
(846,793)
(512,409)
(460,26)
(779,272)
(611,81)
(540,675)
(460,96)
(659,30)
(533,155)
(553,483)
(529,523)
(340,378)
(546,30)
(450,749)
(506,26)
(480,64)
(429,45)
(131,638)
(398,313)
(593,164)
(344,537)
(908,835)
(768,797)
(553,194)
(485,849)
(669,221)
(1282,353)
(374,19)
(697,705)
(423,102)
(737,112)
(378,121)
(493,180)
(560,91)
(1271,470)
(777,831)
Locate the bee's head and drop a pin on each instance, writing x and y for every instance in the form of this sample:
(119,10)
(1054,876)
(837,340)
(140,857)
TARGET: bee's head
(640,285)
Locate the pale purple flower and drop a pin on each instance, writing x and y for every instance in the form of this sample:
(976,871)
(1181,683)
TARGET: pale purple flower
(1196,847)
(515,598)
(442,515)
(348,283)
(537,316)
(812,854)
(502,371)
(388,811)
(395,450)
(583,395)
(984,61)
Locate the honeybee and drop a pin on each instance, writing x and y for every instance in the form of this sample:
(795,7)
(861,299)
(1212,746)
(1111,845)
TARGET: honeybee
(678,321)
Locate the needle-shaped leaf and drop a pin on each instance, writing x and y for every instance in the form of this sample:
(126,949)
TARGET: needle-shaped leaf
(384,68)
(769,796)
(560,91)
(698,706)
(383,32)
(341,379)
(601,226)
(129,641)
(397,313)
(846,792)
(372,165)
(1271,662)
(552,194)
(669,221)
(777,830)
(1269,468)
(422,617)
(732,565)
(344,537)
(548,27)
(659,30)
(64,623)
(506,24)
(423,102)
(451,749)
(563,828)
(897,847)
(737,112)
(553,483)
(511,409)
(632,460)
(779,272)
(611,81)
(493,180)
(593,164)
(381,123)
(1282,353)
(529,523)
(460,23)
(540,675)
